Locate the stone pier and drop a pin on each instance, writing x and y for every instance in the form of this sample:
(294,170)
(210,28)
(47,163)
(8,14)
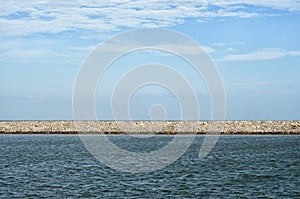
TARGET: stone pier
(150,127)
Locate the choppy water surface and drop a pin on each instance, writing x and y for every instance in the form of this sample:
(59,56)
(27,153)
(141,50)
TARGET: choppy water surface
(45,166)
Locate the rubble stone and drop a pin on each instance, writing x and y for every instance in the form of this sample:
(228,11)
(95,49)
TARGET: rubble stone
(150,127)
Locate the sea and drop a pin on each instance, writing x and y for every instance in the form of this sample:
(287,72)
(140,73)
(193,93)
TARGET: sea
(239,166)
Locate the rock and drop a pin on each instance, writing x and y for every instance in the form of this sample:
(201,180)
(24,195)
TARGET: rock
(148,127)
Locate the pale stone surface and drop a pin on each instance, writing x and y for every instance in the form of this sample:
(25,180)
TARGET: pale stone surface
(147,127)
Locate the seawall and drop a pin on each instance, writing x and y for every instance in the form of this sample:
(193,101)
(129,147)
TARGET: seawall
(147,127)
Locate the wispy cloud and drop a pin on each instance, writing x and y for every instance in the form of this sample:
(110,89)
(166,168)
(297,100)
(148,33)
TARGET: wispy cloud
(23,18)
(263,54)
(223,44)
(82,48)
(44,56)
(291,5)
(162,49)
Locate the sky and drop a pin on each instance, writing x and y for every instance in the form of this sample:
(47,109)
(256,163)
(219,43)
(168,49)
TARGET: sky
(253,44)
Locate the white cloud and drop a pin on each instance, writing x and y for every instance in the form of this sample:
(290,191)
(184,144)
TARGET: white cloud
(188,48)
(291,5)
(28,17)
(228,44)
(25,51)
(209,49)
(30,55)
(82,48)
(263,54)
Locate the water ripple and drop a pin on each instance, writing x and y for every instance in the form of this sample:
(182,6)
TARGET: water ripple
(238,167)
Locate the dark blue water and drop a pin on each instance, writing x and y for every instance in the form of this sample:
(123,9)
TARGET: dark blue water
(238,167)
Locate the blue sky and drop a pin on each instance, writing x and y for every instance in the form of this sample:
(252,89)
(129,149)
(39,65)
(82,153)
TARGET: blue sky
(254,44)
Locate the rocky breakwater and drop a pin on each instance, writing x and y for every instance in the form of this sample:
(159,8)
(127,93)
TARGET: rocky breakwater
(147,127)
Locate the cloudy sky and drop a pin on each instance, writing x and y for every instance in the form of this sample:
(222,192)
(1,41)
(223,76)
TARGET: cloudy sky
(254,45)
